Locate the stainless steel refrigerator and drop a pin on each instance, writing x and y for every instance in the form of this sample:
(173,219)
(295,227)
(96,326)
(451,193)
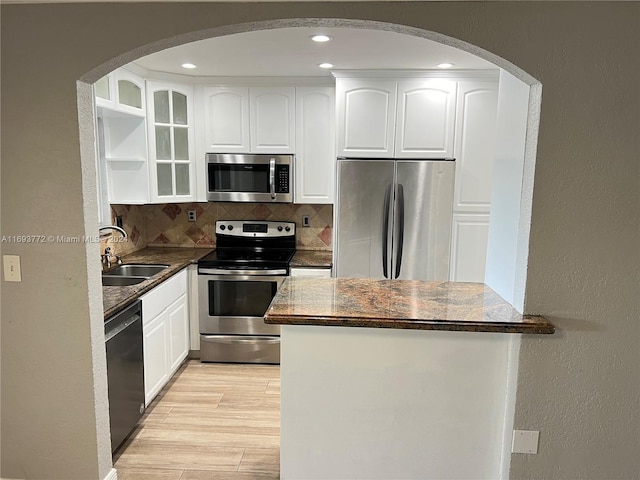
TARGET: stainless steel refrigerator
(394,218)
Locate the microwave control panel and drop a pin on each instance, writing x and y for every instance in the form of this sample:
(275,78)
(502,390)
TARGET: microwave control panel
(282,178)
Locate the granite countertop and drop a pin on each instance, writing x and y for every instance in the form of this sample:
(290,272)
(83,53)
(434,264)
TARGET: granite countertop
(312,259)
(115,299)
(401,304)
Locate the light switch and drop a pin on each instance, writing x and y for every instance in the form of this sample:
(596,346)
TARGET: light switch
(525,441)
(11,268)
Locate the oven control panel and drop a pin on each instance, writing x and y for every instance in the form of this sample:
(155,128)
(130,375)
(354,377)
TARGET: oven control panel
(255,228)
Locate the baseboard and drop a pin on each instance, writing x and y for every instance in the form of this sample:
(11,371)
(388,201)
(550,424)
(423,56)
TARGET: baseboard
(112,475)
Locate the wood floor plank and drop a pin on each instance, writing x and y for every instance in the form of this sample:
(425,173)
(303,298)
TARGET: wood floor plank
(235,401)
(260,460)
(218,419)
(156,414)
(210,422)
(149,474)
(210,475)
(149,456)
(199,436)
(270,414)
(273,387)
(173,398)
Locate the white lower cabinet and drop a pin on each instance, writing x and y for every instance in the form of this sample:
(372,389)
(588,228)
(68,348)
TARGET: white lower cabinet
(156,338)
(310,272)
(165,325)
(178,322)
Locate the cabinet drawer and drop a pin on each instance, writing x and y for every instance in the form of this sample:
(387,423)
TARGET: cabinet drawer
(239,349)
(158,299)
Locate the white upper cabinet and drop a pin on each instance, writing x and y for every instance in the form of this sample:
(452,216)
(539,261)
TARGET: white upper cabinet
(123,151)
(425,118)
(366,111)
(396,118)
(171,150)
(130,92)
(272,119)
(249,119)
(103,91)
(475,145)
(226,116)
(121,91)
(122,140)
(315,155)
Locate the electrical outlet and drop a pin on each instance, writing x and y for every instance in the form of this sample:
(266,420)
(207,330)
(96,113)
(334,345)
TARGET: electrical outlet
(525,441)
(12,268)
(306,221)
(191,215)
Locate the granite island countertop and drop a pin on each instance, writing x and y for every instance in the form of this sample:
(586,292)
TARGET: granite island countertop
(115,299)
(400,304)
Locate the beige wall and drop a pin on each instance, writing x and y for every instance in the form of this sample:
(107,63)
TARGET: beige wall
(580,388)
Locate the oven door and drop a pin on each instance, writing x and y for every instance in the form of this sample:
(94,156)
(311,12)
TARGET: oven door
(235,304)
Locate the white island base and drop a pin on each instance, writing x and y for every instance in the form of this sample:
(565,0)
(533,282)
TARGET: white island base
(378,403)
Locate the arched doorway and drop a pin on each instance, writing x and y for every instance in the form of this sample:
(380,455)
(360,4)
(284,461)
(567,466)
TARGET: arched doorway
(510,227)
(505,273)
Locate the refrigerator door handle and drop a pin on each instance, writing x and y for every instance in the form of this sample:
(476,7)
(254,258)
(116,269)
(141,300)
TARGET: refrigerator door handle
(385,230)
(400,229)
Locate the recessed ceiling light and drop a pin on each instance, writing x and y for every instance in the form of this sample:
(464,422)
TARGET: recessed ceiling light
(445,65)
(321,38)
(188,65)
(325,65)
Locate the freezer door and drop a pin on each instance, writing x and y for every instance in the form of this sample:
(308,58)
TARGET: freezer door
(424,211)
(364,213)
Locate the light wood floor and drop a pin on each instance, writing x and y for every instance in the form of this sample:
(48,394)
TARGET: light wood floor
(212,421)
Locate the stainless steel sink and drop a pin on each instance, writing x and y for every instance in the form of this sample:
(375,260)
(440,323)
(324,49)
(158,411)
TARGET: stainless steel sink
(135,270)
(120,281)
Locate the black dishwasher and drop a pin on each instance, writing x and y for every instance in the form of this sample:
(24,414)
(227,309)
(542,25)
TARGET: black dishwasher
(125,371)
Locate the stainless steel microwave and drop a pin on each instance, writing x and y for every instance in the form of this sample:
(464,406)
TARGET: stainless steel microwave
(249,178)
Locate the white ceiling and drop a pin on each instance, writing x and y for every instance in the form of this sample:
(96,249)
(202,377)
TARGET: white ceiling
(290,52)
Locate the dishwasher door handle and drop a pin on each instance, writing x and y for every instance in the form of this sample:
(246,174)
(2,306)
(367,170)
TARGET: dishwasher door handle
(123,326)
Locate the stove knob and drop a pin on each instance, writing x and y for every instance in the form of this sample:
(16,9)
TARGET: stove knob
(287,229)
(279,228)
(230,227)
(222,227)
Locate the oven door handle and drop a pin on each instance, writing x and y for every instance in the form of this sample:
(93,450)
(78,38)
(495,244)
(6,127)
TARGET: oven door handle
(222,271)
(272,177)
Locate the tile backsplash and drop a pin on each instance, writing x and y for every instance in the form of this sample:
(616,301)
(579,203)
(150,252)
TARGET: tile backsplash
(168,224)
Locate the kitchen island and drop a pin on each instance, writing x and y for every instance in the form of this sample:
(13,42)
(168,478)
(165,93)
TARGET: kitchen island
(396,379)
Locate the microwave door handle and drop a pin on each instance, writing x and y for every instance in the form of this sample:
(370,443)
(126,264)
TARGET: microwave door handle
(272,177)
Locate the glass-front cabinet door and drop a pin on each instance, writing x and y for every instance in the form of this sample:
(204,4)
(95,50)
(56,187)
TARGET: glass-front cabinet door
(170,123)
(121,91)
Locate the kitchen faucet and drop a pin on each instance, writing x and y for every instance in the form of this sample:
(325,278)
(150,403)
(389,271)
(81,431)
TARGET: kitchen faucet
(106,258)
(114,227)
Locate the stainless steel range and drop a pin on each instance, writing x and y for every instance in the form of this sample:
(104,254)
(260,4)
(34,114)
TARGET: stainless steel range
(236,284)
